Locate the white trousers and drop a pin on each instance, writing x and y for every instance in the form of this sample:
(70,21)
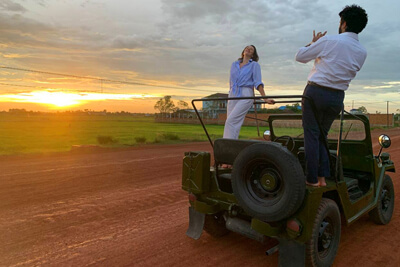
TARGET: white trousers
(236,112)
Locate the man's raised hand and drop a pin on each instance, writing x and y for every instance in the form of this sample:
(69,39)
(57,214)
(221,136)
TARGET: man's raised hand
(317,36)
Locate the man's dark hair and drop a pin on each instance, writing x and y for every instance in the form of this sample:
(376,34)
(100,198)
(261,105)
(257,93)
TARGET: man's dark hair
(356,18)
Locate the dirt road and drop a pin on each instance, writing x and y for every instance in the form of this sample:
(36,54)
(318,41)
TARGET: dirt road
(126,208)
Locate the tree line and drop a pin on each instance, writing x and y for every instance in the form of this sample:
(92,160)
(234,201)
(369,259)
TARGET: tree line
(167,105)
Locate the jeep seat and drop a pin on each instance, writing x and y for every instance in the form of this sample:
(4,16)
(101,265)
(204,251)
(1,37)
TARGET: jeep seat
(226,150)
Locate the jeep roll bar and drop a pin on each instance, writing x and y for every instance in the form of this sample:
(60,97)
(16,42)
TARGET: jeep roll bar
(254,98)
(289,100)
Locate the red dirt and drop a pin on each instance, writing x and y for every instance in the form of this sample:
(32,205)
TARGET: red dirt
(126,208)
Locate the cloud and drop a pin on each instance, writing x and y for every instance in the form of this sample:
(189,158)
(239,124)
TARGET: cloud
(215,32)
(9,5)
(18,29)
(188,43)
(196,40)
(385,87)
(196,9)
(13,55)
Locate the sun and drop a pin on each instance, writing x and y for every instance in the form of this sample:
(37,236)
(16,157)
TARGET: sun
(58,99)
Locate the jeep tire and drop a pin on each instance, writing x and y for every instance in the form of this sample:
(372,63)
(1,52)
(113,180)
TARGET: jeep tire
(382,213)
(268,181)
(323,245)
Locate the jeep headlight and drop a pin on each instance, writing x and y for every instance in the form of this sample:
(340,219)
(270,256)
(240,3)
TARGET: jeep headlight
(385,157)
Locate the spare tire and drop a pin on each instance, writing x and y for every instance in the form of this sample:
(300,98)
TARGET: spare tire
(268,181)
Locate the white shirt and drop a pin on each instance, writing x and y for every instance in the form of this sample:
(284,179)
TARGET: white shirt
(338,58)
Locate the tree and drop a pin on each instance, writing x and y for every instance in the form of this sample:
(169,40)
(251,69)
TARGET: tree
(363,110)
(294,108)
(165,105)
(397,115)
(182,104)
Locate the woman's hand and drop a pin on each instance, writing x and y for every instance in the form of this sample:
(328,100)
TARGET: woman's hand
(266,99)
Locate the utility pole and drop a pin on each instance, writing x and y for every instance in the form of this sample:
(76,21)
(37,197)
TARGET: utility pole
(352,104)
(387,113)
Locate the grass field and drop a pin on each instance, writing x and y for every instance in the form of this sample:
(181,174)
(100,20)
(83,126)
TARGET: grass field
(42,133)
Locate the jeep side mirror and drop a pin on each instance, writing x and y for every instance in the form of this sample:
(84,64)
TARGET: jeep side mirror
(384,141)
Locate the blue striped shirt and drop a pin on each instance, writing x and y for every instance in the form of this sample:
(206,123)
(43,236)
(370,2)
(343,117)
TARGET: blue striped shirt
(248,76)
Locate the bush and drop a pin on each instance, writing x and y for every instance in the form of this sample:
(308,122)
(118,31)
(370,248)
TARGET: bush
(140,140)
(106,140)
(170,136)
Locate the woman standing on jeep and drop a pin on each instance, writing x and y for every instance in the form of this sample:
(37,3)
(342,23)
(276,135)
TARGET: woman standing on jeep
(244,77)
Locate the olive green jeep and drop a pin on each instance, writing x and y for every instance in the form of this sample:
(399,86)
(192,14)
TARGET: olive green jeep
(264,194)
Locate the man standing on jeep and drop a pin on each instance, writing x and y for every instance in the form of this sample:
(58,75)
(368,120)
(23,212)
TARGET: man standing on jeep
(337,60)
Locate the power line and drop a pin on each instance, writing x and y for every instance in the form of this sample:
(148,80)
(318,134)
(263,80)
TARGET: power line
(17,85)
(102,79)
(43,87)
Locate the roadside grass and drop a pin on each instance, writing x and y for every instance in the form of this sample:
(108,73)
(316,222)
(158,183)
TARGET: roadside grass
(43,133)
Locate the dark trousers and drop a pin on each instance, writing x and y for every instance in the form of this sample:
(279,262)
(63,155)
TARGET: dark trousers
(328,103)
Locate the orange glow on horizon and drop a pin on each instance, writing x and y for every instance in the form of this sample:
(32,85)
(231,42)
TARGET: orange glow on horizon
(59,99)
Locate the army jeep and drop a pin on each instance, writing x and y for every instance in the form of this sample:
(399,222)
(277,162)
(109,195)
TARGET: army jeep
(264,194)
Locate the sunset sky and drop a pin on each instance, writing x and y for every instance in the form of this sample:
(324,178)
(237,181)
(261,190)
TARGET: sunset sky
(126,54)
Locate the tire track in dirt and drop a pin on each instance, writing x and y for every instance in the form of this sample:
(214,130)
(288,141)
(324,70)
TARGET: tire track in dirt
(80,166)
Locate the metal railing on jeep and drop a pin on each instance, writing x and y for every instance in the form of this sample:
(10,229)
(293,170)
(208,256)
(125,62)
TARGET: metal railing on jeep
(286,99)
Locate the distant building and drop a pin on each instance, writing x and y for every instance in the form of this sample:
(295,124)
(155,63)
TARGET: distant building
(214,107)
(282,108)
(355,111)
(290,108)
(185,113)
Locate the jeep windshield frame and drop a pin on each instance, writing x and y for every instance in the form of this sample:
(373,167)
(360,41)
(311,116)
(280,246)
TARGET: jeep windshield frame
(291,125)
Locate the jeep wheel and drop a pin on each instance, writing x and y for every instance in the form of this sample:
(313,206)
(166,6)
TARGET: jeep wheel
(268,181)
(382,214)
(321,249)
(214,225)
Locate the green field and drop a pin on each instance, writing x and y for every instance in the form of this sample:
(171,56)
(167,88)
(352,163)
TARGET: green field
(42,133)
